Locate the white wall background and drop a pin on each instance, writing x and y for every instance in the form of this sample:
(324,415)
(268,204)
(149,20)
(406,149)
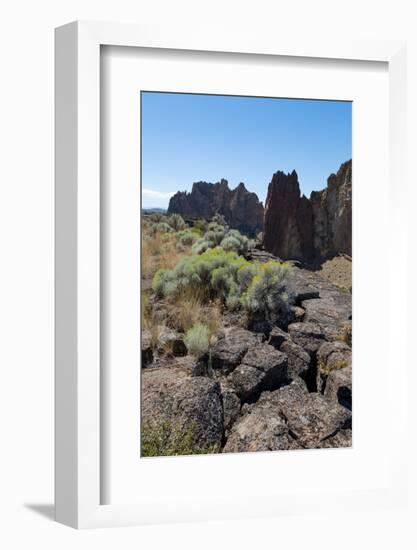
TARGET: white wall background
(26,273)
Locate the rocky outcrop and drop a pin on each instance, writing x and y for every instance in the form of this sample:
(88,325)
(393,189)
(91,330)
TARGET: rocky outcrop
(170,394)
(288,418)
(260,390)
(241,209)
(309,230)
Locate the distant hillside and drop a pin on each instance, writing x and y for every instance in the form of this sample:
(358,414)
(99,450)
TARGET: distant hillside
(150,210)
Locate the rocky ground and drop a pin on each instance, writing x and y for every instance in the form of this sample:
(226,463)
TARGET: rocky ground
(262,388)
(338,270)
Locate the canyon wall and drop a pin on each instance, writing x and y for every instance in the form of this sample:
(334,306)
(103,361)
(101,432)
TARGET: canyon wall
(309,230)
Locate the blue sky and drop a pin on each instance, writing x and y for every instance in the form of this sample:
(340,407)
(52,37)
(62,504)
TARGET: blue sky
(188,138)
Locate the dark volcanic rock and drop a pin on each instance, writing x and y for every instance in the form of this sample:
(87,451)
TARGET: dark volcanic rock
(309,230)
(276,337)
(271,362)
(187,402)
(170,341)
(241,208)
(230,348)
(299,361)
(146,344)
(231,404)
(263,368)
(247,381)
(342,438)
(309,336)
(339,386)
(334,372)
(289,418)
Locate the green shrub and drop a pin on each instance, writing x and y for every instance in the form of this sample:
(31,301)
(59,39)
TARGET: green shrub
(187,238)
(164,438)
(157,217)
(197,339)
(266,296)
(219,219)
(220,275)
(200,226)
(162,227)
(201,246)
(198,273)
(176,222)
(229,239)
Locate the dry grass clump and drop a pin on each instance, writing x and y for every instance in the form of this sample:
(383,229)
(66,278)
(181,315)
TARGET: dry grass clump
(346,335)
(188,308)
(338,271)
(161,250)
(327,368)
(165,438)
(150,319)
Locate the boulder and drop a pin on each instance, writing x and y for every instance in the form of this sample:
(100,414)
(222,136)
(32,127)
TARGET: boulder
(339,386)
(247,382)
(231,405)
(332,312)
(343,438)
(298,313)
(334,372)
(288,418)
(230,348)
(272,363)
(171,342)
(146,345)
(258,430)
(311,418)
(277,336)
(172,395)
(299,361)
(309,336)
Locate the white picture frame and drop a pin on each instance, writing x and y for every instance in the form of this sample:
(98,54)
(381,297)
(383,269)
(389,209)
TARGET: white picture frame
(77,242)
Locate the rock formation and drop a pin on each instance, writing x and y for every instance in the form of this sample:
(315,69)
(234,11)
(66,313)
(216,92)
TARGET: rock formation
(309,230)
(241,208)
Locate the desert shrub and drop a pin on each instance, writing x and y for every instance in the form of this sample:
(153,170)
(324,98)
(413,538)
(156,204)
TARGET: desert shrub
(165,438)
(237,242)
(162,227)
(219,219)
(230,243)
(210,273)
(214,235)
(159,282)
(229,239)
(176,222)
(200,226)
(266,296)
(234,281)
(157,217)
(197,339)
(201,246)
(187,238)
(245,275)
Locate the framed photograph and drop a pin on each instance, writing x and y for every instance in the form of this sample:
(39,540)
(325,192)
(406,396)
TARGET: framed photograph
(222,336)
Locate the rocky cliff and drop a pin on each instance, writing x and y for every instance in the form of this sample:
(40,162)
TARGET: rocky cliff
(309,230)
(241,208)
